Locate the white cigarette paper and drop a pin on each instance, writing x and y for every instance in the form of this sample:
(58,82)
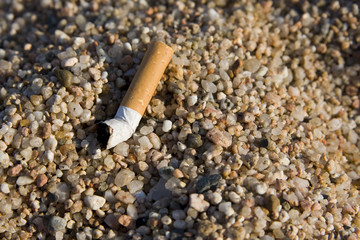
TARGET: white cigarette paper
(113,131)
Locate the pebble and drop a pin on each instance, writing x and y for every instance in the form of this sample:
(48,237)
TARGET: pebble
(131,210)
(194,141)
(155,140)
(112,221)
(166,220)
(4,187)
(252,65)
(261,188)
(125,197)
(178,214)
(198,203)
(14,171)
(41,180)
(95,73)
(124,220)
(179,224)
(234,197)
(334,124)
(166,172)
(135,186)
(57,223)
(207,182)
(62,192)
(208,86)
(65,77)
(191,100)
(94,202)
(145,143)
(124,177)
(294,91)
(215,198)
(24,180)
(218,137)
(225,207)
(69,62)
(145,130)
(74,109)
(122,149)
(167,125)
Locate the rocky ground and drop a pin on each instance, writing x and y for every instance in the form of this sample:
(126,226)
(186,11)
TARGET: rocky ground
(253,132)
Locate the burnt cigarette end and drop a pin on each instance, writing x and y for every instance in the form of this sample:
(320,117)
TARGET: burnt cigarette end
(104,132)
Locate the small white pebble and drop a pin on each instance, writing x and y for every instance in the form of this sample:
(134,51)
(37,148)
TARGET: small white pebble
(5,188)
(226,208)
(132,211)
(36,142)
(69,62)
(84,59)
(191,100)
(122,149)
(334,124)
(135,186)
(24,180)
(215,198)
(94,202)
(261,188)
(145,130)
(234,197)
(145,143)
(167,125)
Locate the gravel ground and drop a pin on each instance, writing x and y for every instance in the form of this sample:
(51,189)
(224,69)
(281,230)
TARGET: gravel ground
(253,132)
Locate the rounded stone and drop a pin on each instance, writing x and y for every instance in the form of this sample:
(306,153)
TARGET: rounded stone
(57,223)
(65,77)
(194,141)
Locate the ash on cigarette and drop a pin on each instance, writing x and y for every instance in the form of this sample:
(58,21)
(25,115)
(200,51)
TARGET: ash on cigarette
(103,134)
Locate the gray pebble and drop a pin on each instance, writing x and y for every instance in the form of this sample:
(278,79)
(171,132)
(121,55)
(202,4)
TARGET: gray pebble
(252,65)
(208,182)
(57,223)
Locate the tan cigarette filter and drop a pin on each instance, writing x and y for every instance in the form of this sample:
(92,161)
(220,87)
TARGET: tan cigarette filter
(147,77)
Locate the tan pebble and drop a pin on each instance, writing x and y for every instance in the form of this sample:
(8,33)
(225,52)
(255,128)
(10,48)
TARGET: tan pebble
(316,207)
(27,46)
(154,155)
(47,130)
(14,171)
(143,166)
(24,123)
(356,103)
(220,138)
(150,11)
(124,220)
(345,45)
(125,197)
(65,149)
(178,173)
(322,48)
(267,6)
(36,99)
(351,90)
(41,180)
(76,207)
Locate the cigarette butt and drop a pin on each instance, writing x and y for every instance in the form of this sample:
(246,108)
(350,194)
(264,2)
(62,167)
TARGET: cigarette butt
(113,131)
(147,77)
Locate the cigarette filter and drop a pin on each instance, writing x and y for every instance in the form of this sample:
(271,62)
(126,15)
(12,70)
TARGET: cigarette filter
(113,131)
